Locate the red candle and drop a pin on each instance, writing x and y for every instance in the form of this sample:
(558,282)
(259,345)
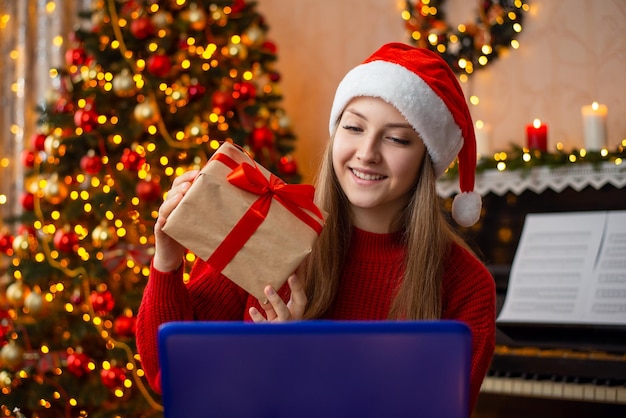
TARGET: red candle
(537,136)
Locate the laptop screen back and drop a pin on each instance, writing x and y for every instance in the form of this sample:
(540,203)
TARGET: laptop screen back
(315,369)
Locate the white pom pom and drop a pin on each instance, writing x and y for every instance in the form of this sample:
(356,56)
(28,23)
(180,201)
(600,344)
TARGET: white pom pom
(466,208)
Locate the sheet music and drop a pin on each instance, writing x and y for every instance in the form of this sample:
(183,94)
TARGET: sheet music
(569,268)
(607,302)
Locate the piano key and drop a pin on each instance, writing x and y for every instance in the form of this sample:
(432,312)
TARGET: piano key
(620,394)
(555,389)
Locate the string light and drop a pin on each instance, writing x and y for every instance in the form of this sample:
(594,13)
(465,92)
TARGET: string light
(472,46)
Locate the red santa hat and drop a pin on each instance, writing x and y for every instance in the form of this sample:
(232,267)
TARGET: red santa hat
(423,88)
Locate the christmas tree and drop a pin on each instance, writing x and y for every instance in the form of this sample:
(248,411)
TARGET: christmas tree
(150,89)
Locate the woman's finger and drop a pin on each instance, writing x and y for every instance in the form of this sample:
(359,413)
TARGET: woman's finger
(298,300)
(256,316)
(275,309)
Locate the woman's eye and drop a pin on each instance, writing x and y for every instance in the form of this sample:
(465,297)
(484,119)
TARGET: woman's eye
(399,140)
(352,128)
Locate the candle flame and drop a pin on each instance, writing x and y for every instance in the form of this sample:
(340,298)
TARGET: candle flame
(536,123)
(595,105)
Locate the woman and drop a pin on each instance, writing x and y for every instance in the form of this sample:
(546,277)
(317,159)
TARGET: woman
(387,251)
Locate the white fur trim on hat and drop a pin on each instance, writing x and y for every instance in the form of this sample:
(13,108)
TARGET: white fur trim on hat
(414,99)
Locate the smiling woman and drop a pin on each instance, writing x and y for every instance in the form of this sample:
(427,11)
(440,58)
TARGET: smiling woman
(377,157)
(472,45)
(387,250)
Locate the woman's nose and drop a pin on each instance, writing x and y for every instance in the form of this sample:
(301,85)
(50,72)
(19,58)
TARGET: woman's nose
(368,150)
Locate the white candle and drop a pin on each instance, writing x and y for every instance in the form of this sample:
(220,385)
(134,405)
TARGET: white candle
(594,126)
(483,139)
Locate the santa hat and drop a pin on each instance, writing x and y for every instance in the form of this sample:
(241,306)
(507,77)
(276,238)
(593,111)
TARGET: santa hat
(425,91)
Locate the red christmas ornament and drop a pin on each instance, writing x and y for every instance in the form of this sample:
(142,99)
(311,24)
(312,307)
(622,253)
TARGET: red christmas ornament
(91,163)
(223,101)
(37,141)
(26,229)
(63,105)
(129,7)
(27,200)
(238,6)
(5,326)
(6,244)
(65,240)
(132,160)
(244,90)
(76,297)
(262,137)
(86,119)
(125,326)
(78,364)
(182,44)
(76,56)
(102,302)
(28,158)
(287,165)
(274,76)
(269,46)
(142,27)
(159,65)
(148,190)
(113,377)
(195,91)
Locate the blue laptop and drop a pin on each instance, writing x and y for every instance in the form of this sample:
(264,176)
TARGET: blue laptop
(315,369)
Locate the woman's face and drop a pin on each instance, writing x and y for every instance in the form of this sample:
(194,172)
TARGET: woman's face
(377,157)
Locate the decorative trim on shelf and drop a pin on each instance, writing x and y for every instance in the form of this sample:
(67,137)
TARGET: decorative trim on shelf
(539,179)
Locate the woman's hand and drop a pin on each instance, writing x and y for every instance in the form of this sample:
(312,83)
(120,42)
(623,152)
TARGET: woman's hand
(276,310)
(168,253)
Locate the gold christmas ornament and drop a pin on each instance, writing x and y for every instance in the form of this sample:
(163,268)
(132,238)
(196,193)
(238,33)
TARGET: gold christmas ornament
(16,293)
(237,50)
(197,130)
(53,146)
(24,244)
(146,112)
(219,17)
(123,84)
(5,380)
(284,122)
(34,302)
(11,355)
(55,191)
(254,35)
(195,17)
(162,19)
(104,236)
(178,95)
(45,128)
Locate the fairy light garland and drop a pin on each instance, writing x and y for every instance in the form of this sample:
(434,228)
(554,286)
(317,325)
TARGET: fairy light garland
(470,46)
(521,158)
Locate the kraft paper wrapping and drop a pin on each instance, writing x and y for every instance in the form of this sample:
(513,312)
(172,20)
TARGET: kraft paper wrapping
(213,206)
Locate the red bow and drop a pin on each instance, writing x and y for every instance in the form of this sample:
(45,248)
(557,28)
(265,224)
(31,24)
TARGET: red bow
(297,198)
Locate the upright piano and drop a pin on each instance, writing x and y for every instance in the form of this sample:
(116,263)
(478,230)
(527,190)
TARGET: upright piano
(546,370)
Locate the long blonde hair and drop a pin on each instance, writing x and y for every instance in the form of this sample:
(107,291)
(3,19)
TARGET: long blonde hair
(426,232)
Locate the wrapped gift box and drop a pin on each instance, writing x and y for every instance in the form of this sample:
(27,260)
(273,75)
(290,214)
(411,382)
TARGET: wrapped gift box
(245,221)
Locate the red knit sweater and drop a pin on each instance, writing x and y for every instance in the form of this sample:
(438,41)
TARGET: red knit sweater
(371,274)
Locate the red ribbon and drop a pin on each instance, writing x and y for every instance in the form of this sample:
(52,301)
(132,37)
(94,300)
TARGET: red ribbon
(297,198)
